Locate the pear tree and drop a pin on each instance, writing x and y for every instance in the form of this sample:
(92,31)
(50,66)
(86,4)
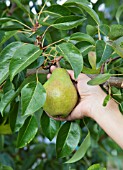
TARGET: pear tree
(77,35)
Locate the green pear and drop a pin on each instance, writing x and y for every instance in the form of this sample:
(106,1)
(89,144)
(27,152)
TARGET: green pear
(61,94)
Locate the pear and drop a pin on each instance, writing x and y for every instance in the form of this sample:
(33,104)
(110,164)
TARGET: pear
(61,94)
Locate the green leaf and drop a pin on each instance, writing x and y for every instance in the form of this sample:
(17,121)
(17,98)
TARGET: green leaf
(3,20)
(91,30)
(92,59)
(116,31)
(49,126)
(85,47)
(5,129)
(20,5)
(23,57)
(13,115)
(88,9)
(73,56)
(79,1)
(4,167)
(5,56)
(118,46)
(12,27)
(82,37)
(68,22)
(6,99)
(106,100)
(118,13)
(79,154)
(101,78)
(8,52)
(67,139)
(104,29)
(103,52)
(4,71)
(1,142)
(96,167)
(27,132)
(33,96)
(57,10)
(7,36)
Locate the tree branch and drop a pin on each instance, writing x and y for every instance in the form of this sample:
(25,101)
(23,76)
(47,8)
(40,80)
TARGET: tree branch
(113,81)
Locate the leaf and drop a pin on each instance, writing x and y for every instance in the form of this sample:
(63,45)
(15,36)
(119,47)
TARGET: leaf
(20,5)
(79,154)
(101,78)
(103,52)
(7,36)
(57,10)
(118,46)
(96,167)
(4,71)
(5,129)
(4,167)
(27,132)
(92,59)
(73,56)
(49,126)
(4,20)
(106,100)
(79,1)
(2,140)
(33,96)
(116,31)
(8,52)
(67,139)
(13,115)
(91,30)
(68,22)
(82,37)
(104,29)
(118,13)
(6,99)
(85,47)
(5,56)
(23,57)
(88,9)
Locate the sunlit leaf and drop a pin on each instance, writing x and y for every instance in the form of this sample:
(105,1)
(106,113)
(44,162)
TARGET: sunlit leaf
(33,96)
(68,22)
(79,154)
(67,139)
(73,56)
(27,132)
(101,78)
(23,57)
(82,37)
(87,8)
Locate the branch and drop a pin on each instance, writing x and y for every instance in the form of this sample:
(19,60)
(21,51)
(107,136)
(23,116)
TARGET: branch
(113,81)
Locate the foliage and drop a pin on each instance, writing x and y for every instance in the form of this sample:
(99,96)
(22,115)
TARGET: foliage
(77,37)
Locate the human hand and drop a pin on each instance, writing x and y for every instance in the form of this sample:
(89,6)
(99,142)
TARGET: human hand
(89,97)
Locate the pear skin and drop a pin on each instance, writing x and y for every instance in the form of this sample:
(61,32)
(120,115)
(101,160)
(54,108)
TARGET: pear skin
(61,94)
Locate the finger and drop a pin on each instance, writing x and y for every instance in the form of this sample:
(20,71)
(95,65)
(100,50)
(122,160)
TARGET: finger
(71,74)
(76,113)
(48,76)
(52,68)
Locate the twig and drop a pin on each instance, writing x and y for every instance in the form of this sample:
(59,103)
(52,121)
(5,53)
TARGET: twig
(113,81)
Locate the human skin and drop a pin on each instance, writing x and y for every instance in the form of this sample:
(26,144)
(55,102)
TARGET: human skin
(90,105)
